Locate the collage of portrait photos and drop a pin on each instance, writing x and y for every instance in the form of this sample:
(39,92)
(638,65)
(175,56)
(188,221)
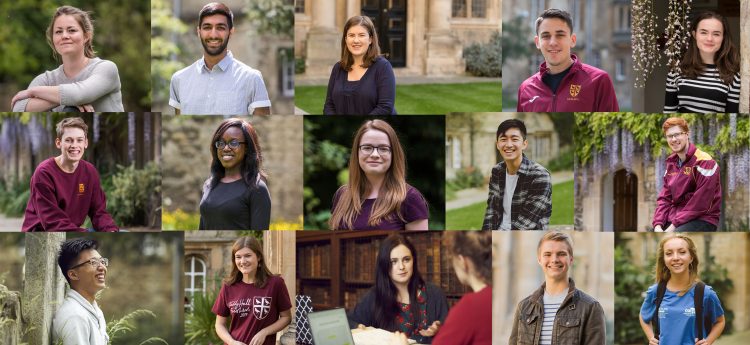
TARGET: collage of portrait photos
(375,172)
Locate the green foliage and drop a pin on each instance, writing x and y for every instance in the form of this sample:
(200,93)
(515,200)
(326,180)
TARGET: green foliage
(299,65)
(14,196)
(484,60)
(632,280)
(163,27)
(272,16)
(468,177)
(135,196)
(563,162)
(517,39)
(116,329)
(592,130)
(717,277)
(199,323)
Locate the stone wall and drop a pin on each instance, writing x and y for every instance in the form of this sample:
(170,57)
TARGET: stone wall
(516,274)
(186,161)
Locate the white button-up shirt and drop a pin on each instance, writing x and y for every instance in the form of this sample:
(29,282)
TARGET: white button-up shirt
(229,88)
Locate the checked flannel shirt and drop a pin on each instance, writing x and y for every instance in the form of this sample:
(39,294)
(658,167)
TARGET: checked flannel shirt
(532,199)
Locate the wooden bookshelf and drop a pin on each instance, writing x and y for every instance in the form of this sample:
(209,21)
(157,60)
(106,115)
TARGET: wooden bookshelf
(336,268)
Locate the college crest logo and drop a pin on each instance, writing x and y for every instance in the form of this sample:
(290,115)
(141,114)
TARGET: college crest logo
(688,170)
(574,90)
(261,307)
(81,188)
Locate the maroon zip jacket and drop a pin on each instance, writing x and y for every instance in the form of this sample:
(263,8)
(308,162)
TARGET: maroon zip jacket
(690,192)
(60,201)
(584,88)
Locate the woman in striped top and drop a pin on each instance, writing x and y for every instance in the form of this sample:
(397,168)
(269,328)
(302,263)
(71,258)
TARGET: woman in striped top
(709,79)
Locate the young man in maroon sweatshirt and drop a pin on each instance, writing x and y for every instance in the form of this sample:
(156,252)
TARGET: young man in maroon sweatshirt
(65,189)
(690,199)
(563,83)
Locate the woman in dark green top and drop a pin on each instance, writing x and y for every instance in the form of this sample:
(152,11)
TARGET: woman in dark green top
(235,197)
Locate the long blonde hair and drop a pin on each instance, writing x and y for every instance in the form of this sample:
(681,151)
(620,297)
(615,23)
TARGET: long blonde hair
(392,193)
(661,271)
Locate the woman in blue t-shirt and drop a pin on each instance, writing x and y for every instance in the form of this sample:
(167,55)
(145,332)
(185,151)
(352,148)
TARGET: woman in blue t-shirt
(677,266)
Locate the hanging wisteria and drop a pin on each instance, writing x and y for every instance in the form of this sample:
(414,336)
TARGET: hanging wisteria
(96,128)
(627,150)
(677,33)
(644,41)
(659,170)
(38,135)
(131,137)
(613,145)
(698,138)
(712,131)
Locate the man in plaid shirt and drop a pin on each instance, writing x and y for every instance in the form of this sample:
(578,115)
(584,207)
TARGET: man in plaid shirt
(520,195)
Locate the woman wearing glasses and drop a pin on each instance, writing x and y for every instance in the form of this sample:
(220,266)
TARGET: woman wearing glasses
(709,78)
(235,197)
(377,196)
(363,81)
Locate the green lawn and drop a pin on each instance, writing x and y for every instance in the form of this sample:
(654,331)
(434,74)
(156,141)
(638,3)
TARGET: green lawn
(471,217)
(421,98)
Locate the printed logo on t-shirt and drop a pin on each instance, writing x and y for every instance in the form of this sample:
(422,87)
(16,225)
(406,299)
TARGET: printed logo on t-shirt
(81,188)
(689,312)
(261,307)
(662,312)
(240,307)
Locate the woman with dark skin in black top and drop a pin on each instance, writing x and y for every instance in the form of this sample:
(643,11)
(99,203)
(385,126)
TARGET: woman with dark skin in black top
(235,197)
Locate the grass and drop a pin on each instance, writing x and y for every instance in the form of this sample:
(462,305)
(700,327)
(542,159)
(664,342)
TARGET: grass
(420,98)
(471,217)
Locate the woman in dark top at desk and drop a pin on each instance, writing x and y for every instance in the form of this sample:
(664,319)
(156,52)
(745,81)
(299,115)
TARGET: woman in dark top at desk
(401,300)
(363,81)
(235,197)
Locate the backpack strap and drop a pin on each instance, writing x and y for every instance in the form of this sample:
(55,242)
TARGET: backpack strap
(660,290)
(698,301)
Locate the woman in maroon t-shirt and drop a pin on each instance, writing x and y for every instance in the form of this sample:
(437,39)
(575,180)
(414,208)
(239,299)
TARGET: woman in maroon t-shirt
(256,301)
(469,322)
(377,196)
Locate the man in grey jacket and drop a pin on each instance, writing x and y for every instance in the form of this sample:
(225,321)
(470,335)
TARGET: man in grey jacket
(79,319)
(558,313)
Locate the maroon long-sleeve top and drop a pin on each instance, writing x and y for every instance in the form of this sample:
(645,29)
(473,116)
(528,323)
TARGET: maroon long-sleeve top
(60,201)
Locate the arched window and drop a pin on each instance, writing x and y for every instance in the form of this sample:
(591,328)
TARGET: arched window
(195,278)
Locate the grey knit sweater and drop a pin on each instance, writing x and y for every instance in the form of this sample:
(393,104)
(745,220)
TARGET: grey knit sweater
(97,84)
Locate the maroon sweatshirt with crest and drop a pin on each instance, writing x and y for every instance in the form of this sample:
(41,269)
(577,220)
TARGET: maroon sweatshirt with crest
(60,201)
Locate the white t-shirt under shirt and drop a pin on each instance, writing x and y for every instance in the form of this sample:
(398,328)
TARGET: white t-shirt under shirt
(510,188)
(551,304)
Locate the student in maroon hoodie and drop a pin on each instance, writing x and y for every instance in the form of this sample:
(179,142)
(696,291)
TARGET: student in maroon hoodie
(563,83)
(65,189)
(691,197)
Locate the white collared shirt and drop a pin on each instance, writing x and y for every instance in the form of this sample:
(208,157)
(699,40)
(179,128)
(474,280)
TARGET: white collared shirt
(229,88)
(79,322)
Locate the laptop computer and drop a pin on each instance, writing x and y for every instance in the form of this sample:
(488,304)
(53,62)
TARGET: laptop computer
(330,327)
